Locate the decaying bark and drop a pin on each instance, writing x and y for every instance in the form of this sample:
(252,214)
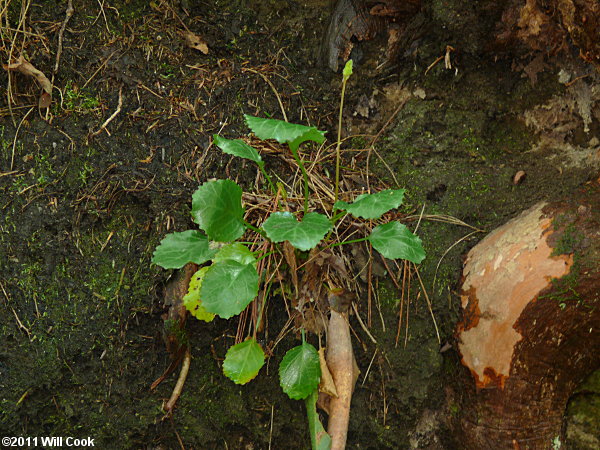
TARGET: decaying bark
(547,25)
(530,334)
(358,20)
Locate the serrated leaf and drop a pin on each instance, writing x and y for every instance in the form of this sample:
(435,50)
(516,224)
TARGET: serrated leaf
(394,240)
(191,300)
(217,209)
(299,371)
(284,132)
(304,235)
(178,249)
(373,206)
(347,70)
(237,147)
(235,252)
(228,287)
(319,438)
(243,361)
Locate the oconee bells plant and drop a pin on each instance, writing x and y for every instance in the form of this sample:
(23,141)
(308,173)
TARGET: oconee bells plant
(228,282)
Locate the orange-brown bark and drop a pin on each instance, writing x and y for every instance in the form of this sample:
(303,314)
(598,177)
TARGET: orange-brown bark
(532,290)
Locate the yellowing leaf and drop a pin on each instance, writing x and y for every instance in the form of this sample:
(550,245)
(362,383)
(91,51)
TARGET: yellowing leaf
(192,300)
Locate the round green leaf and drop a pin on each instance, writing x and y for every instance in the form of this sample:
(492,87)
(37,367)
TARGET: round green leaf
(237,147)
(299,371)
(236,252)
(243,361)
(373,206)
(394,240)
(178,249)
(304,235)
(284,132)
(228,287)
(191,300)
(217,209)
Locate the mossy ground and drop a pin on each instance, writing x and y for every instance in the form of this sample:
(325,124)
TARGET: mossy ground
(81,304)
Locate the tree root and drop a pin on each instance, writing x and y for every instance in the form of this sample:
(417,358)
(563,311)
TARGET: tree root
(341,364)
(185,368)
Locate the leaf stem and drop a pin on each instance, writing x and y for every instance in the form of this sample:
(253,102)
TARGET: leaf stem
(334,221)
(264,255)
(268,178)
(253,228)
(304,176)
(262,308)
(348,242)
(337,217)
(339,144)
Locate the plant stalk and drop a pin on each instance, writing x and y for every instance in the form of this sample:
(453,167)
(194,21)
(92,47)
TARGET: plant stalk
(268,178)
(304,176)
(338,146)
(253,228)
(347,242)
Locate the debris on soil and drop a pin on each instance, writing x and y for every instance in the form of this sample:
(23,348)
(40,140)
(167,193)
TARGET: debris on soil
(26,68)
(196,42)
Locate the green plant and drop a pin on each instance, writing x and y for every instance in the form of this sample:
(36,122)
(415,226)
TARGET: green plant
(230,282)
(78,100)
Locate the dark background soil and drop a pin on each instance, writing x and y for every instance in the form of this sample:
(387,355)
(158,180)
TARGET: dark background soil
(80,214)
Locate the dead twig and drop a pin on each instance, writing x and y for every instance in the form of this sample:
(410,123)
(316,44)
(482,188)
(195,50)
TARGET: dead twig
(362,325)
(185,368)
(271,425)
(445,57)
(272,86)
(437,332)
(68,13)
(98,69)
(176,433)
(447,251)
(369,368)
(21,26)
(12,156)
(21,326)
(379,133)
(112,116)
(574,80)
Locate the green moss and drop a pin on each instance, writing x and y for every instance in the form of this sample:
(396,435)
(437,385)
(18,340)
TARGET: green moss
(583,411)
(79,100)
(358,142)
(564,289)
(569,241)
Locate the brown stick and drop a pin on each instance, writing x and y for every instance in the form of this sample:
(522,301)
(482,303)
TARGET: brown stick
(340,361)
(68,13)
(185,368)
(113,115)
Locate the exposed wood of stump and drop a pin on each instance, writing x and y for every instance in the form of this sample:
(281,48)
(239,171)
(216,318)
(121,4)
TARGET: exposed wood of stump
(531,329)
(546,25)
(358,20)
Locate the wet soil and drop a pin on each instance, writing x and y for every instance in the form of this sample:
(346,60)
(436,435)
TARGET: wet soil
(81,211)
